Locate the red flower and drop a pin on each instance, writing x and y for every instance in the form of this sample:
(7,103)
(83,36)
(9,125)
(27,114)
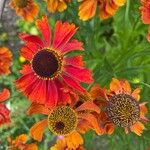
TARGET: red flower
(4,112)
(49,63)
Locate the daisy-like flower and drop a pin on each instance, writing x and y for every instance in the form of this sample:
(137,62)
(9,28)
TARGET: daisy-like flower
(57,5)
(63,120)
(4,112)
(20,143)
(108,8)
(27,9)
(122,108)
(49,64)
(73,141)
(5,60)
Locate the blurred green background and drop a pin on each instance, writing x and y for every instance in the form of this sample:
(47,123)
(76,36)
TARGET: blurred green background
(116,47)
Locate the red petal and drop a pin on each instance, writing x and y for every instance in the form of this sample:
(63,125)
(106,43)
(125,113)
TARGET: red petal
(63,33)
(31,38)
(81,74)
(73,83)
(75,61)
(44,28)
(4,95)
(72,45)
(29,50)
(52,94)
(4,114)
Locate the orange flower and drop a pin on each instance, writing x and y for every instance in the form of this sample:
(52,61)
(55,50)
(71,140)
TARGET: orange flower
(5,60)
(108,8)
(19,143)
(4,112)
(73,141)
(27,9)
(63,120)
(49,66)
(145,11)
(122,108)
(57,5)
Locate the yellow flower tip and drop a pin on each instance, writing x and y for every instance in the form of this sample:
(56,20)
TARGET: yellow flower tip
(136,80)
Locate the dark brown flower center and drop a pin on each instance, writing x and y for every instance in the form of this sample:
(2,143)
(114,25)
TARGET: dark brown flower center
(59,125)
(46,64)
(22,3)
(123,110)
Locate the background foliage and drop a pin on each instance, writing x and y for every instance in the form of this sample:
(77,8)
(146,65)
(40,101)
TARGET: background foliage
(116,47)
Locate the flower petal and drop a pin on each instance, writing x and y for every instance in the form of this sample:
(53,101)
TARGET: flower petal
(37,109)
(143,111)
(75,61)
(4,95)
(73,83)
(37,130)
(52,94)
(81,74)
(137,128)
(72,46)
(88,106)
(31,38)
(115,85)
(21,139)
(93,121)
(31,147)
(135,94)
(63,33)
(44,28)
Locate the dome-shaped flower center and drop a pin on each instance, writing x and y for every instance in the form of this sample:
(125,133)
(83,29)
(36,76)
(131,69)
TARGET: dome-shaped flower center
(22,3)
(62,120)
(47,64)
(123,110)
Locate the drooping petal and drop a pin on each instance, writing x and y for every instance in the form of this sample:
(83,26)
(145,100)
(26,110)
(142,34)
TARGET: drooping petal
(37,130)
(109,128)
(143,111)
(81,74)
(4,95)
(136,94)
(137,128)
(75,61)
(88,106)
(29,50)
(31,38)
(63,33)
(72,46)
(73,83)
(52,94)
(37,109)
(93,121)
(44,28)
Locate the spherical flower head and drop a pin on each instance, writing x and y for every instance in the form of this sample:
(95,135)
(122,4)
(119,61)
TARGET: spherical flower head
(27,9)
(62,120)
(49,66)
(57,5)
(87,9)
(5,60)
(123,109)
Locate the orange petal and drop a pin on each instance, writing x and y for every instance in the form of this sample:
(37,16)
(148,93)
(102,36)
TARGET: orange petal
(88,106)
(31,147)
(4,95)
(37,109)
(135,94)
(125,86)
(93,121)
(109,128)
(37,130)
(137,128)
(143,111)
(115,85)
(20,139)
